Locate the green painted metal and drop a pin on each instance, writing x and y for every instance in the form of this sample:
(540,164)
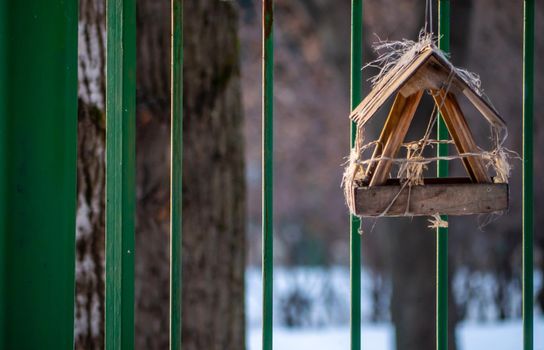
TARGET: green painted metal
(120,172)
(3,163)
(442,171)
(268,170)
(355,238)
(38,154)
(176,181)
(528,200)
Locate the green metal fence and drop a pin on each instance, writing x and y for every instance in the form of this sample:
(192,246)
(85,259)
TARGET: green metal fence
(120,172)
(442,170)
(176,140)
(528,200)
(38,134)
(356,87)
(267,169)
(38,143)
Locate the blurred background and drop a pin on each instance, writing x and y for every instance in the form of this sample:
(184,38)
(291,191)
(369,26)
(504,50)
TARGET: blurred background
(312,244)
(222,190)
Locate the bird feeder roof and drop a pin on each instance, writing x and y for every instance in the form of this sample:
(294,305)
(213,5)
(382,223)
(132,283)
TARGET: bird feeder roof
(428,69)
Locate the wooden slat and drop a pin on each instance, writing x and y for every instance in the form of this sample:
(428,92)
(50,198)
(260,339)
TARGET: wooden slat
(461,134)
(483,107)
(410,78)
(478,101)
(398,122)
(433,181)
(391,123)
(430,76)
(444,199)
(388,86)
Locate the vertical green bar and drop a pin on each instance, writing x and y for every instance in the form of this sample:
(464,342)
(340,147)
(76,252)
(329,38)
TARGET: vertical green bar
(120,172)
(176,182)
(442,171)
(355,237)
(38,154)
(268,169)
(528,202)
(3,166)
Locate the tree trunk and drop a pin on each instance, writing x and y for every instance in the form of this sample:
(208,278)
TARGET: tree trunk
(413,274)
(89,314)
(214,180)
(214,186)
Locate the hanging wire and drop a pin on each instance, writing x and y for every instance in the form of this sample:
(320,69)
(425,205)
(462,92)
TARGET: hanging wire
(428,16)
(431,15)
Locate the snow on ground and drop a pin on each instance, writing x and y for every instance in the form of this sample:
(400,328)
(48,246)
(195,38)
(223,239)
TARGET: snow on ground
(327,326)
(378,337)
(498,335)
(470,336)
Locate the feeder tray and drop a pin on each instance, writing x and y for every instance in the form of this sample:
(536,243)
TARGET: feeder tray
(447,196)
(377,194)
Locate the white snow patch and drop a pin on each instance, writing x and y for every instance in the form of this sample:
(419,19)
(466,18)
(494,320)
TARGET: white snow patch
(83,224)
(470,336)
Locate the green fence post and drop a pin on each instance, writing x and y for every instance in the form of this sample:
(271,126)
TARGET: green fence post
(176,182)
(38,154)
(3,166)
(268,169)
(355,237)
(528,201)
(442,171)
(120,172)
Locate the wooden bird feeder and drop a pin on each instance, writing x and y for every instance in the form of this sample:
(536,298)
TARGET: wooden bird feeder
(379,195)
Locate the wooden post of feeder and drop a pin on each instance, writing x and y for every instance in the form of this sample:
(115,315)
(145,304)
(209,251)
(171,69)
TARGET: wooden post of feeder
(394,132)
(460,132)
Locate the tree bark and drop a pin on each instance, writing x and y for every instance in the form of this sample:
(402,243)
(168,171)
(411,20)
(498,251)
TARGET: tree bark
(214,184)
(413,296)
(214,180)
(89,308)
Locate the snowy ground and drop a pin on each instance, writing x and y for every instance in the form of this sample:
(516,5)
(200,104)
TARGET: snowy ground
(470,336)
(326,326)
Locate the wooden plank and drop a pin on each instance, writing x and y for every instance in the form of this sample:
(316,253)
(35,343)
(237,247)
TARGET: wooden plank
(431,76)
(392,81)
(484,107)
(391,124)
(433,181)
(411,78)
(400,118)
(444,199)
(461,134)
(478,101)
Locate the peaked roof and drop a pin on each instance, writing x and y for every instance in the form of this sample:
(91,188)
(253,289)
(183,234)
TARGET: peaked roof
(428,69)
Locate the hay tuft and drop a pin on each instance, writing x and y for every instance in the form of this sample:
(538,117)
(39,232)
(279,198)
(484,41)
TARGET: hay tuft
(437,222)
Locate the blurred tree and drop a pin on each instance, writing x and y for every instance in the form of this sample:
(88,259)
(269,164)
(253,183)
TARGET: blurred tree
(214,180)
(214,184)
(89,308)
